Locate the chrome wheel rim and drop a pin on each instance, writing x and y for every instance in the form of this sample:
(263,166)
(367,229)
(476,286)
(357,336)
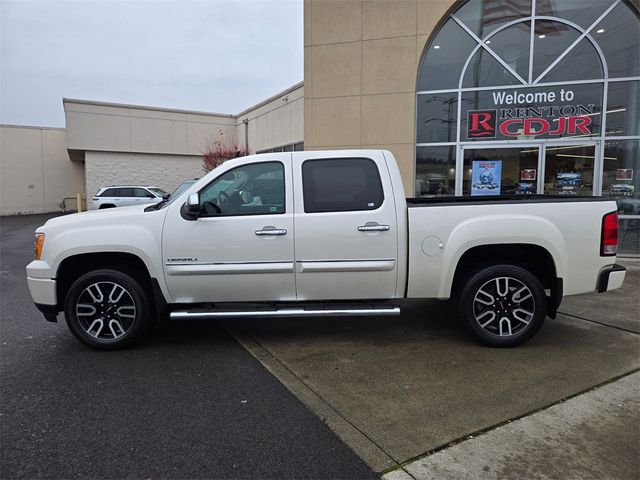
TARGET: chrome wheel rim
(106,310)
(503,306)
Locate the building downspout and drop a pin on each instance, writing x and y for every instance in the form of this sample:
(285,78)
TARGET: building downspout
(246,134)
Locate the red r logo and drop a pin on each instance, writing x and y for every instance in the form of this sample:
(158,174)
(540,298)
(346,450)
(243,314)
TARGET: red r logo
(481,123)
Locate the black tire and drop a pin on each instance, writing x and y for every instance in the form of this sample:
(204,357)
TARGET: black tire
(107,205)
(121,309)
(502,305)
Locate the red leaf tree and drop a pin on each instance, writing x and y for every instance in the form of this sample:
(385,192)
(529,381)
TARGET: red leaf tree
(219,151)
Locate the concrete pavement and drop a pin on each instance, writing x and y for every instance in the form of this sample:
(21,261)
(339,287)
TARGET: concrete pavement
(618,308)
(594,435)
(397,388)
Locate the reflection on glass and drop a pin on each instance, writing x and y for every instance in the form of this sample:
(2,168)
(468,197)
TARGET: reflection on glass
(623,108)
(617,35)
(435,171)
(484,70)
(569,170)
(484,16)
(512,46)
(445,57)
(582,12)
(581,63)
(550,40)
(437,117)
(621,174)
(518,170)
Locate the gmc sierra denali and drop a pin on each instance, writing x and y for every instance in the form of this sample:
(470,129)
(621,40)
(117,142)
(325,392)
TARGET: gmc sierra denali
(321,233)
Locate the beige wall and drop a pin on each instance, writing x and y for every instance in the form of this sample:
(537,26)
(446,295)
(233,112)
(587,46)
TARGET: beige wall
(35,171)
(360,66)
(129,128)
(164,171)
(128,144)
(277,121)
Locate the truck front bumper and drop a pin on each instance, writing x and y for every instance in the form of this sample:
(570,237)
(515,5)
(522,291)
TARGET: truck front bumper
(43,289)
(611,277)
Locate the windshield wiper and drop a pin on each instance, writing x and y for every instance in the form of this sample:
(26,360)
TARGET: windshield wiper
(157,206)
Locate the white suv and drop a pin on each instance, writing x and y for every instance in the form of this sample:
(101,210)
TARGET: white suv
(123,195)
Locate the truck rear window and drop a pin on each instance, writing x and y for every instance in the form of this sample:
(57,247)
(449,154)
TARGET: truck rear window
(341,185)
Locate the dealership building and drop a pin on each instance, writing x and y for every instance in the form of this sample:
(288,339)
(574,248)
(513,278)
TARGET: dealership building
(476,97)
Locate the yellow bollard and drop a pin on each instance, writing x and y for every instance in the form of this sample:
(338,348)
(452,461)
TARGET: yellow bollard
(79,201)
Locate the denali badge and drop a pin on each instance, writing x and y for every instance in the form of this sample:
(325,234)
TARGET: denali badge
(181,259)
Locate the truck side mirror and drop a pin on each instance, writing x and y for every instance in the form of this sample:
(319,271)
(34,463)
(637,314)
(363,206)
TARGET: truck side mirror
(192,207)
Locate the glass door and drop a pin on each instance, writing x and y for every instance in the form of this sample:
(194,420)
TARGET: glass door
(568,169)
(496,170)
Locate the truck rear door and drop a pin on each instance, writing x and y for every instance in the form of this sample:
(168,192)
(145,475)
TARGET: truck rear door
(345,227)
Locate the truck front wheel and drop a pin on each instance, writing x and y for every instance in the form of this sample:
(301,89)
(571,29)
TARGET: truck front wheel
(107,309)
(503,305)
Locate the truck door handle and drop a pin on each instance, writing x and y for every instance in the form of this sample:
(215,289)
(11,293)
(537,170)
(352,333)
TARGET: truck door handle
(271,231)
(373,228)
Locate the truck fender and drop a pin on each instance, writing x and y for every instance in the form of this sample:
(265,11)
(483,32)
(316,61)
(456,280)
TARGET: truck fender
(500,229)
(110,239)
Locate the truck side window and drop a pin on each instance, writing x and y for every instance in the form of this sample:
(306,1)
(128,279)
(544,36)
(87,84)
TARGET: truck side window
(341,185)
(254,189)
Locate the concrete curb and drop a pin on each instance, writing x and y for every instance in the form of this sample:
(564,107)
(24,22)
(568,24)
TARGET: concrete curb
(595,434)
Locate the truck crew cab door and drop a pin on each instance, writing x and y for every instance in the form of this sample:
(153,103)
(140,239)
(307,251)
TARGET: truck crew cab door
(346,227)
(240,248)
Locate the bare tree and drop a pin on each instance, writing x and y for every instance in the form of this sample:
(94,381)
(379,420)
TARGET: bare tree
(219,151)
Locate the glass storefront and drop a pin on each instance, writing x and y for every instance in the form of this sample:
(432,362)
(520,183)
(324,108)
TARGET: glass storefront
(533,96)
(517,175)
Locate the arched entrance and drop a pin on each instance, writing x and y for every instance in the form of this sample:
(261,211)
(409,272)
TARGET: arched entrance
(543,95)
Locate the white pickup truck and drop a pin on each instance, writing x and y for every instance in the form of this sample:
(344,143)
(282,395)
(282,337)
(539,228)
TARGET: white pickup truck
(321,233)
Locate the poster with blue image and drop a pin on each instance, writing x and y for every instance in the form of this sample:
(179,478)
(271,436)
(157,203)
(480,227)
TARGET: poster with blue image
(486,176)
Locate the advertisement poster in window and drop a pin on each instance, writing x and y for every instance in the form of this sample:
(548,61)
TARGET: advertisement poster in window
(568,180)
(486,177)
(624,174)
(528,174)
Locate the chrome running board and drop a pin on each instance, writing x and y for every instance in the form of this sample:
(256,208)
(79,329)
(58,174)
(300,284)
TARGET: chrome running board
(286,312)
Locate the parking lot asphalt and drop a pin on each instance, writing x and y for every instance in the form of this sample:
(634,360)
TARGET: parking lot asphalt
(188,403)
(398,388)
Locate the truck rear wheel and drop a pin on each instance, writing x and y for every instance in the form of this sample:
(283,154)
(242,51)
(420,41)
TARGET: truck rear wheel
(503,305)
(107,309)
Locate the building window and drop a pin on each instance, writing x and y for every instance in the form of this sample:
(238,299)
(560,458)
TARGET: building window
(541,96)
(290,147)
(435,171)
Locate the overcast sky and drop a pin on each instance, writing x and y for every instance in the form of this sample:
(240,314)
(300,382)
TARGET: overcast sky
(211,55)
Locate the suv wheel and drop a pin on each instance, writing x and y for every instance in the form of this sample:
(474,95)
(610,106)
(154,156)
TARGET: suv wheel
(107,309)
(503,306)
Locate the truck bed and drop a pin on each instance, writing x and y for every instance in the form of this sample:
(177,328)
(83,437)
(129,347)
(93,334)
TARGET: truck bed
(499,199)
(568,227)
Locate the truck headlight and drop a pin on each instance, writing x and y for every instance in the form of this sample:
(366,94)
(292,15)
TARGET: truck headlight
(38,244)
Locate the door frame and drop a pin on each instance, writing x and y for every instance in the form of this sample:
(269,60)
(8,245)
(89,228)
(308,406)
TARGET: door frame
(541,145)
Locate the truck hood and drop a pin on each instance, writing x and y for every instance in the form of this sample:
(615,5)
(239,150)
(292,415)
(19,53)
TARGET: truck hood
(107,216)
